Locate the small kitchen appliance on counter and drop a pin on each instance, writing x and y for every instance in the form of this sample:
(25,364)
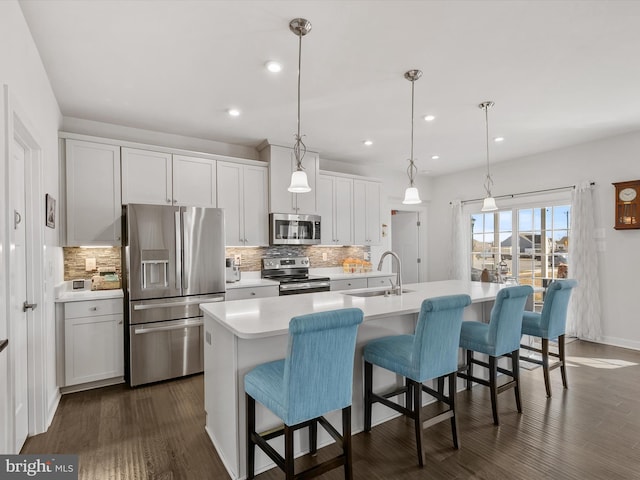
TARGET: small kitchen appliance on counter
(232,271)
(293,275)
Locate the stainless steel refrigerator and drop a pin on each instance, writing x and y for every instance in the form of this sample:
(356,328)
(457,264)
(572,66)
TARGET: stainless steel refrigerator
(173,260)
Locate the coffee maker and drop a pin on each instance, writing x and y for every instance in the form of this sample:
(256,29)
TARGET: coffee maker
(232,270)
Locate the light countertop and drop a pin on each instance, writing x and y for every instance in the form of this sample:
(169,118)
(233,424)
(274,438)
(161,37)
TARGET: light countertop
(265,317)
(83,295)
(251,282)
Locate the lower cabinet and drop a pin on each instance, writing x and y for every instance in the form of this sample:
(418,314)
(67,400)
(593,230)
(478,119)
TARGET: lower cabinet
(348,284)
(93,341)
(244,293)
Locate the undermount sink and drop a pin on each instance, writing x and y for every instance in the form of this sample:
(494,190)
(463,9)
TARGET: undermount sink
(374,293)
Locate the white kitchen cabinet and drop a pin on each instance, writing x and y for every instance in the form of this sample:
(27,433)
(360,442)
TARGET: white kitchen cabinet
(380,281)
(93,193)
(243,194)
(348,284)
(245,293)
(161,178)
(335,206)
(366,212)
(281,164)
(93,339)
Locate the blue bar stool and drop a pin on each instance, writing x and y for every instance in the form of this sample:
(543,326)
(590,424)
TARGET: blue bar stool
(549,325)
(432,352)
(501,336)
(315,377)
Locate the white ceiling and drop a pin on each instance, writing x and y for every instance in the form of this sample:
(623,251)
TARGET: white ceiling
(560,72)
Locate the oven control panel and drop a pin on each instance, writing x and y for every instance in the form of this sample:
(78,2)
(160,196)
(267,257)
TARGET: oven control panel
(284,262)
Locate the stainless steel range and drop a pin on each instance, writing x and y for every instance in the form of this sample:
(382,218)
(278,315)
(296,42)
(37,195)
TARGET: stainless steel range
(293,275)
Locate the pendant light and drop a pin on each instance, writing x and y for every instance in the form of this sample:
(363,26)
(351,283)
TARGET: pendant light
(299,182)
(411,195)
(489,204)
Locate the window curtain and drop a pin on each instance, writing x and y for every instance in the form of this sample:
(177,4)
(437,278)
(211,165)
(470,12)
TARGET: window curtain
(584,316)
(460,235)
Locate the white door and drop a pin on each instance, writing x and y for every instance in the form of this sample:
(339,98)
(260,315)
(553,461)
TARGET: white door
(405,242)
(18,295)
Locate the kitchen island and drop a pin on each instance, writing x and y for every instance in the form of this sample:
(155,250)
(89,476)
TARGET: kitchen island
(242,334)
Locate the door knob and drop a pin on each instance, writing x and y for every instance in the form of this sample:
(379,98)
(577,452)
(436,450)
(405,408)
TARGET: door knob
(28,306)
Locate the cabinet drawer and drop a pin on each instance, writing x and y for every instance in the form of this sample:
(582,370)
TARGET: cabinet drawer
(380,281)
(90,308)
(348,284)
(252,292)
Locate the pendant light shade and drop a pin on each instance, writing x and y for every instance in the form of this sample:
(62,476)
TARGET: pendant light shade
(489,204)
(411,194)
(299,182)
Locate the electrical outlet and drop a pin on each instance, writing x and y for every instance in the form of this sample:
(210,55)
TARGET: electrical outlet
(324,256)
(237,259)
(89,264)
(367,256)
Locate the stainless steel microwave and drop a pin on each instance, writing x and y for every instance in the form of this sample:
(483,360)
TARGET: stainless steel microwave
(293,229)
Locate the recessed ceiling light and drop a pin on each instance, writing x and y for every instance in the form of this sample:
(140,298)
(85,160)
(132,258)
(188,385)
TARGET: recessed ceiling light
(435,157)
(368,143)
(234,112)
(429,118)
(498,139)
(273,67)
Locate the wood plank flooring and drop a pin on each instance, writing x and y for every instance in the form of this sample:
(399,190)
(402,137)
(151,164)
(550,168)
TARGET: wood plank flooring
(590,431)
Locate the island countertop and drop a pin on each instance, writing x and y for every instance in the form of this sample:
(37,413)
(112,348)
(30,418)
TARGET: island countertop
(266,317)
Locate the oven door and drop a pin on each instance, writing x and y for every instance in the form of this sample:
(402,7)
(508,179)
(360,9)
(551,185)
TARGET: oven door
(304,287)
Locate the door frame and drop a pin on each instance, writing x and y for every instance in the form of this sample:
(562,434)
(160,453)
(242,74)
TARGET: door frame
(19,127)
(422,210)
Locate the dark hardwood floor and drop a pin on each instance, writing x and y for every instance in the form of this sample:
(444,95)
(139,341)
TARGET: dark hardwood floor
(590,431)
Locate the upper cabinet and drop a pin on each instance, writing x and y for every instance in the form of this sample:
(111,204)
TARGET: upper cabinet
(281,164)
(93,193)
(335,206)
(164,179)
(243,194)
(366,212)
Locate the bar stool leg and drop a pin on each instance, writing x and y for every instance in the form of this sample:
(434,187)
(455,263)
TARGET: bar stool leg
(313,438)
(452,405)
(346,443)
(417,407)
(251,428)
(563,363)
(493,375)
(368,375)
(515,366)
(545,365)
(469,369)
(288,453)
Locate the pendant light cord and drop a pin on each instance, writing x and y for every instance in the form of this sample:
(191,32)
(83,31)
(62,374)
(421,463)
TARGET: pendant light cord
(489,180)
(299,149)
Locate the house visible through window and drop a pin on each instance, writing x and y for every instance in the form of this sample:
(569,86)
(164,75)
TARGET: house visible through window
(528,245)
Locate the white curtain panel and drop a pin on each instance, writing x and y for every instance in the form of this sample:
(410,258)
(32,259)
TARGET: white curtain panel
(584,316)
(460,235)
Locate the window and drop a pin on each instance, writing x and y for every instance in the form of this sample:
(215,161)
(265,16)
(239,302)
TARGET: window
(529,244)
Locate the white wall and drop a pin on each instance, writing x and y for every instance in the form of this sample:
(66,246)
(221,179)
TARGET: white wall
(22,70)
(605,161)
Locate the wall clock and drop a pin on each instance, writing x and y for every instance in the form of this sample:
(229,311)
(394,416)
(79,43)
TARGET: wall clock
(627,205)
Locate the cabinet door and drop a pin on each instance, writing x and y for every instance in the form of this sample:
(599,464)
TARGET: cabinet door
(281,164)
(146,177)
(326,208)
(343,211)
(256,200)
(93,348)
(366,220)
(380,281)
(349,284)
(251,292)
(230,199)
(194,181)
(93,193)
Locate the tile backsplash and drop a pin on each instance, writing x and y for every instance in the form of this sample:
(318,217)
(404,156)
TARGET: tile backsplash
(78,259)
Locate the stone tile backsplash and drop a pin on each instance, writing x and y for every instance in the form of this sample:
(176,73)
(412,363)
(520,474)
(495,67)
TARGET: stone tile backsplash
(75,258)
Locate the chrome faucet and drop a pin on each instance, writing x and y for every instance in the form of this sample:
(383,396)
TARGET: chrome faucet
(397,288)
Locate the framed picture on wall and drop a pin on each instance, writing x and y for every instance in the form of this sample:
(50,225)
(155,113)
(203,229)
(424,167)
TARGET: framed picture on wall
(50,211)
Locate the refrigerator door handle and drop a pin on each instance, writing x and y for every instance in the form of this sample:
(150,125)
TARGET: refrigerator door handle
(178,304)
(195,323)
(186,253)
(178,251)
